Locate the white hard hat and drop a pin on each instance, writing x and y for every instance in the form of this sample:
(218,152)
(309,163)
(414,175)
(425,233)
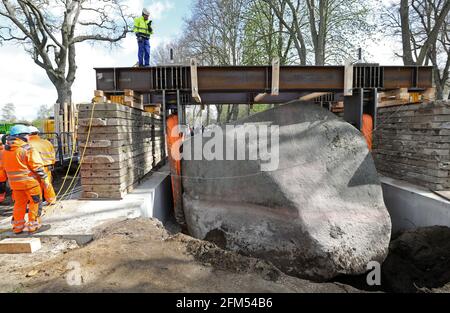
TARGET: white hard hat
(33,130)
(145,12)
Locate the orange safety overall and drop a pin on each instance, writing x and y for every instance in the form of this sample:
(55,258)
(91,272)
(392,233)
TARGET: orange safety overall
(174,140)
(22,165)
(3,177)
(47,152)
(367,129)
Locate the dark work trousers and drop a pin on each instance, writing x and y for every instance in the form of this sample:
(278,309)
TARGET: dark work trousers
(144,52)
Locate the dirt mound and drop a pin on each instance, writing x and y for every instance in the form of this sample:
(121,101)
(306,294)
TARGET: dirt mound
(140,255)
(418,261)
(210,254)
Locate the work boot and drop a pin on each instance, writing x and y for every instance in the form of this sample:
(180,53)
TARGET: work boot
(34,226)
(18,227)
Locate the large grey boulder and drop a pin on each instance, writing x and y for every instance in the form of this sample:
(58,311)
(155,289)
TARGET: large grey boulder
(319,214)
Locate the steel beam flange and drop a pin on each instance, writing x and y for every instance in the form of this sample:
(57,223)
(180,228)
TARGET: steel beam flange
(194,81)
(276,77)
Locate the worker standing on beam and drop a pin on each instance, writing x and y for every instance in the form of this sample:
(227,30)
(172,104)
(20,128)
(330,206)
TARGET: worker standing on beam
(24,167)
(3,177)
(143,30)
(48,155)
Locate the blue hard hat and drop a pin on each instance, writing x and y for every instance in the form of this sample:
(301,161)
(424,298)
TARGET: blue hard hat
(19,129)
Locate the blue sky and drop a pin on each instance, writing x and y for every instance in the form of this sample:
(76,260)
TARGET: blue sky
(170,24)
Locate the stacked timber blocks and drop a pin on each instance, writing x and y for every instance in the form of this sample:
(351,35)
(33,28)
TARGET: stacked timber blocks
(121,145)
(412,143)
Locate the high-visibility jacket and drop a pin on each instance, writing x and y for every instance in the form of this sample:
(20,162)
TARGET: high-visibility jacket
(45,149)
(367,129)
(23,165)
(142,27)
(3,177)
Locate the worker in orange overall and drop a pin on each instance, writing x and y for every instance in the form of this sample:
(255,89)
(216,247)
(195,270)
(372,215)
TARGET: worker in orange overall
(367,129)
(3,177)
(24,168)
(47,152)
(174,137)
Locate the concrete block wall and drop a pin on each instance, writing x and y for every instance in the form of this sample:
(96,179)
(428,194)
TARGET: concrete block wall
(412,143)
(120,145)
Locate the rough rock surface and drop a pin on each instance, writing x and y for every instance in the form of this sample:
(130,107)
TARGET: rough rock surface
(418,261)
(319,214)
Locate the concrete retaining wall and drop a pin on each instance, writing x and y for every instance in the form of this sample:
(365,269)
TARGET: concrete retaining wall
(411,207)
(123,144)
(412,143)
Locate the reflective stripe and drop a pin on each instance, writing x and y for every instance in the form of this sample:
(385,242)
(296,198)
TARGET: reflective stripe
(24,172)
(16,179)
(19,227)
(18,222)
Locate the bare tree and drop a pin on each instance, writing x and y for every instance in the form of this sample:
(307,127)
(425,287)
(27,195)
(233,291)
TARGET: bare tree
(423,26)
(9,112)
(331,29)
(288,14)
(49,30)
(266,37)
(161,55)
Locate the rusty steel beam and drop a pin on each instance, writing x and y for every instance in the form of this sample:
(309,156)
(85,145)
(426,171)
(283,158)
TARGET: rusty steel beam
(237,83)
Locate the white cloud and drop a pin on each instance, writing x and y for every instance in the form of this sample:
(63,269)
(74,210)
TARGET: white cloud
(27,86)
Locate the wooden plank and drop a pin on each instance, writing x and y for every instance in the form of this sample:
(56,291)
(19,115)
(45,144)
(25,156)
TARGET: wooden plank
(276,77)
(130,163)
(98,159)
(429,94)
(117,136)
(147,147)
(128,92)
(115,129)
(19,245)
(105,122)
(259,97)
(313,96)
(86,108)
(120,157)
(96,143)
(348,79)
(97,113)
(86,195)
(194,81)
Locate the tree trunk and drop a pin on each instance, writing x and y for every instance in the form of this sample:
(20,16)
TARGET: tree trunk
(229,112)
(406,33)
(64,91)
(219,109)
(440,85)
(235,112)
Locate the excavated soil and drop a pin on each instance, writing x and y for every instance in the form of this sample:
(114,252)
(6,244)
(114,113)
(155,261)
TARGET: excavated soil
(419,261)
(140,255)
